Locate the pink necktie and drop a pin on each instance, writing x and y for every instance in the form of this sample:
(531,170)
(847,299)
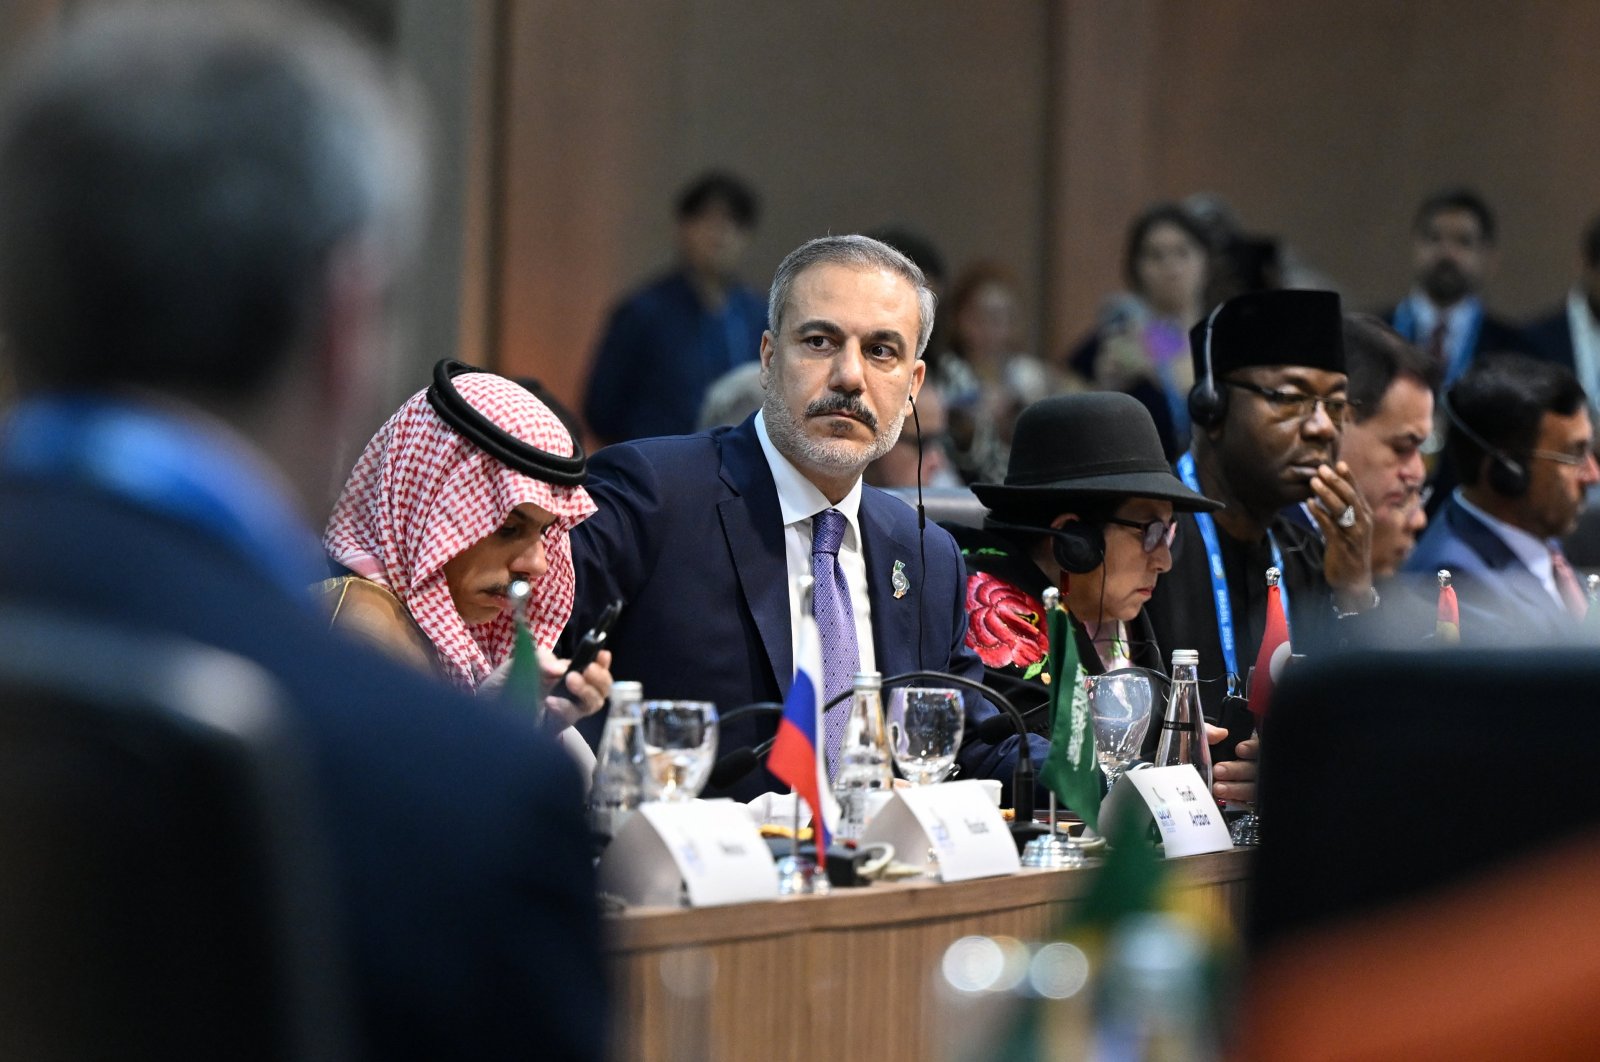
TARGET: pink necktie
(1567,583)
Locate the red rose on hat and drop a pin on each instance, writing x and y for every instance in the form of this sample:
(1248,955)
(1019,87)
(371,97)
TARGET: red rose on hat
(1003,625)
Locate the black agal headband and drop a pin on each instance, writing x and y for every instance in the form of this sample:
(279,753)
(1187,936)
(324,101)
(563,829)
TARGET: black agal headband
(495,440)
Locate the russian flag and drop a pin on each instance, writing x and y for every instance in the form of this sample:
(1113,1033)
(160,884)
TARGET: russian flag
(797,753)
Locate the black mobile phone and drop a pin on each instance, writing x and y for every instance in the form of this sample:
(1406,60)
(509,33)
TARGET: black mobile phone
(595,640)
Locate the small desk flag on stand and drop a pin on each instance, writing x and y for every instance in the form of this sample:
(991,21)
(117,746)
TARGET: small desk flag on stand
(524,686)
(796,756)
(1070,769)
(1447,626)
(1275,649)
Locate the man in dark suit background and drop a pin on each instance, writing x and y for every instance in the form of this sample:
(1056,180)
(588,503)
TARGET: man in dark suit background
(1521,436)
(201,210)
(1452,255)
(1570,334)
(705,536)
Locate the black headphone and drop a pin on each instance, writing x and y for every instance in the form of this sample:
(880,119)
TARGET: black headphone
(1079,546)
(494,440)
(1507,476)
(1207,404)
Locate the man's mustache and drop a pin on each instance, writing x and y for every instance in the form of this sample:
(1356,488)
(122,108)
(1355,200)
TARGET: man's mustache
(851,405)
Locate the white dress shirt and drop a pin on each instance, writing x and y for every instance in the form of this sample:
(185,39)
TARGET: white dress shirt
(1532,551)
(800,500)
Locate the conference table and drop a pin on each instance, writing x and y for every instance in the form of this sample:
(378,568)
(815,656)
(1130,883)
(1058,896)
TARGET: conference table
(846,975)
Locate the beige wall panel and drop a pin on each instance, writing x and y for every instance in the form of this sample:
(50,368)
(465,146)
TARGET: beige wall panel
(844,115)
(1325,123)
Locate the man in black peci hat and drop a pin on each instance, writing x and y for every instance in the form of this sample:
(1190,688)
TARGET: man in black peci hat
(1268,406)
(1087,506)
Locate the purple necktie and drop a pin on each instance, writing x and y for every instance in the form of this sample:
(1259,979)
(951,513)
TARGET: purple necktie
(836,624)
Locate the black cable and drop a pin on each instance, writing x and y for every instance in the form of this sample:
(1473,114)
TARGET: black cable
(922,534)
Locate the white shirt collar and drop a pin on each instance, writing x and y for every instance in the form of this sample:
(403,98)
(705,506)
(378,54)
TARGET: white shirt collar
(798,498)
(1532,551)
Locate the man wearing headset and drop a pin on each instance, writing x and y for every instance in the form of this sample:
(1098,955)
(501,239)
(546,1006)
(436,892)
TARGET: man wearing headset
(1268,407)
(706,537)
(1520,435)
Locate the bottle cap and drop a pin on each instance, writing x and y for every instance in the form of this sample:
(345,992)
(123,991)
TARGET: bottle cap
(627,691)
(868,680)
(1180,657)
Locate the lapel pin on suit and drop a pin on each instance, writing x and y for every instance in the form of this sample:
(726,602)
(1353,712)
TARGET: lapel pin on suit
(899,580)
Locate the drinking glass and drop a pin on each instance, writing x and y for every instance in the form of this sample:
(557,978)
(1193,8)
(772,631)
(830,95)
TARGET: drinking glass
(1120,703)
(925,732)
(680,743)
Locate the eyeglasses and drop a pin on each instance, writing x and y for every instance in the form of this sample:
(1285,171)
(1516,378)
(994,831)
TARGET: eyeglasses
(1295,405)
(1153,533)
(1563,458)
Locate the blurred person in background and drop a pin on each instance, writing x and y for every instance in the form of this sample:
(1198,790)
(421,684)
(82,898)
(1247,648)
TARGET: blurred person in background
(203,212)
(1452,256)
(1570,334)
(983,373)
(666,343)
(732,397)
(924,443)
(1141,345)
(1521,436)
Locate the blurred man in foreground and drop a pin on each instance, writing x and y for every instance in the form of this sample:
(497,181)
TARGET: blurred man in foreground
(1521,437)
(201,211)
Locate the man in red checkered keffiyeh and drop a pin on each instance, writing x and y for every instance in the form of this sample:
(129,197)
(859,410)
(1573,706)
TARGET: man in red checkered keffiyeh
(422,495)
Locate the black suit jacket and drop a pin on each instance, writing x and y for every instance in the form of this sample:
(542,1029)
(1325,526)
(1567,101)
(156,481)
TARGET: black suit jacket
(462,863)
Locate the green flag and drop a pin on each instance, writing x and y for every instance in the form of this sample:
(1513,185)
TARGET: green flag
(524,688)
(1070,769)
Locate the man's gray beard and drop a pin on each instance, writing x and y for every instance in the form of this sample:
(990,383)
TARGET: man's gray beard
(790,439)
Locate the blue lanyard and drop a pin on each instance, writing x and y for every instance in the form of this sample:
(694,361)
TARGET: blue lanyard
(164,465)
(1219,582)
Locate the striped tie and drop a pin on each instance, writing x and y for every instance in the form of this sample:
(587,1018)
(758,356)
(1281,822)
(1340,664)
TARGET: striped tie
(836,623)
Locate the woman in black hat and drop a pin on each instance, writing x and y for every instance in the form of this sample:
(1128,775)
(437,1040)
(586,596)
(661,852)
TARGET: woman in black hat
(1086,506)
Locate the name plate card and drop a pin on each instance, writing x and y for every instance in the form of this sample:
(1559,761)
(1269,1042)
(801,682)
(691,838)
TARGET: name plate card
(707,849)
(956,824)
(1187,816)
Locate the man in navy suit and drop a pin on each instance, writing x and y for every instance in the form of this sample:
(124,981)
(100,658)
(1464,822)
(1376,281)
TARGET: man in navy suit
(1521,436)
(705,537)
(200,211)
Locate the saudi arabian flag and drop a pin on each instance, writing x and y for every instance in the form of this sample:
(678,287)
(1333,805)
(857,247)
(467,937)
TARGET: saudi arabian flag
(1070,769)
(524,688)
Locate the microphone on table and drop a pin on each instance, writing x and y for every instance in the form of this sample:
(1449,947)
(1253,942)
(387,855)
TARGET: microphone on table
(740,762)
(993,729)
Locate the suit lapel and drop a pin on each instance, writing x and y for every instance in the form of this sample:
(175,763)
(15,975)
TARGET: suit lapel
(752,523)
(1517,581)
(894,619)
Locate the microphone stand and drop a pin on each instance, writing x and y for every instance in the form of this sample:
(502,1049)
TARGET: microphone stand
(1023,778)
(1023,827)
